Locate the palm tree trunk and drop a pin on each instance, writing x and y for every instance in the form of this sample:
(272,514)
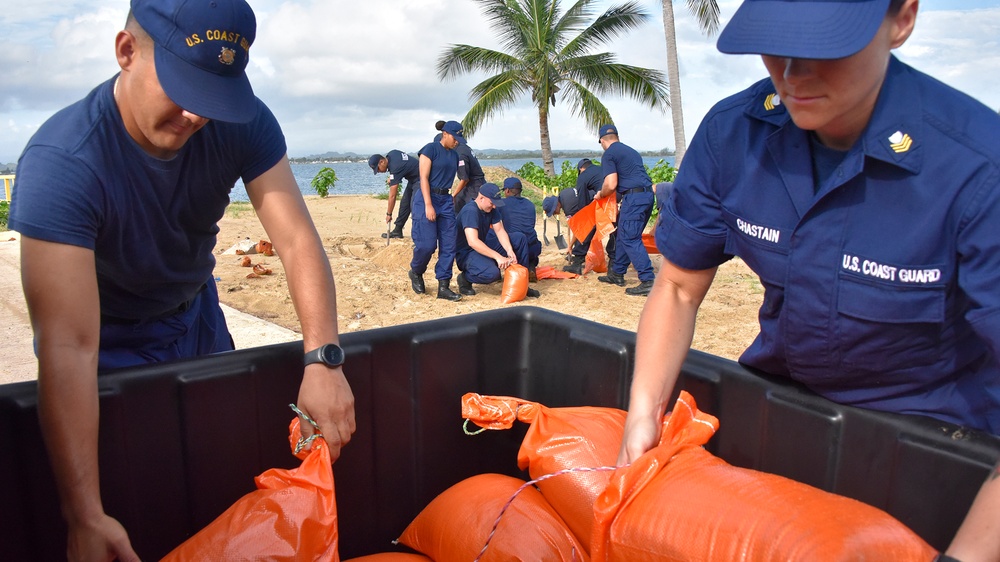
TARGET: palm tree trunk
(674,78)
(543,131)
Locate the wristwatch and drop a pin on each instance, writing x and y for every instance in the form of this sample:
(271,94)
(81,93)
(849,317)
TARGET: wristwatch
(330,355)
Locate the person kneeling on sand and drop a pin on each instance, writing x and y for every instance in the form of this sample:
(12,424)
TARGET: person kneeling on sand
(480,258)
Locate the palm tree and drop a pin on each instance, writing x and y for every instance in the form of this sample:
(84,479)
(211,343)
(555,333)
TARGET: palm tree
(545,54)
(707,13)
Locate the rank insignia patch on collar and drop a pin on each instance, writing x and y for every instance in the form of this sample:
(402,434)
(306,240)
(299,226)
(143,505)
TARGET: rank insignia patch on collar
(900,142)
(771,101)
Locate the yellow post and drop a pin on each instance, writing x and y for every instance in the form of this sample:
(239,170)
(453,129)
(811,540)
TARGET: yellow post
(8,182)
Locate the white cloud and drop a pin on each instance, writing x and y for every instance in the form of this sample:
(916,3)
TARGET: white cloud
(361,77)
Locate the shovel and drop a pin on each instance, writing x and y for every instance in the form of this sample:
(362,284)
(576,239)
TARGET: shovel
(388,230)
(560,241)
(545,225)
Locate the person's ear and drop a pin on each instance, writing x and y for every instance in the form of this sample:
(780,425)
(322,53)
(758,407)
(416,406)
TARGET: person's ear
(903,23)
(126,49)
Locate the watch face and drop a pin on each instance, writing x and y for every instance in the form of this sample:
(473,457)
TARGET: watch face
(332,355)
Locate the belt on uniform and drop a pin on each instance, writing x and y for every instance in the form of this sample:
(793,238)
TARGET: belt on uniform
(637,190)
(183,307)
(441,191)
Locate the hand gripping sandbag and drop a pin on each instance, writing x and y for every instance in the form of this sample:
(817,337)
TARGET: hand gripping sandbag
(515,284)
(491,518)
(291,516)
(564,441)
(679,502)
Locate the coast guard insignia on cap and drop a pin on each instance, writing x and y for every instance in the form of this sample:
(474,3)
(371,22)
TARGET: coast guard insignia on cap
(771,101)
(900,142)
(227,56)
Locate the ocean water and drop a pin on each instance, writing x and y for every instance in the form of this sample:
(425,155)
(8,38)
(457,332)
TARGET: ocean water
(356,178)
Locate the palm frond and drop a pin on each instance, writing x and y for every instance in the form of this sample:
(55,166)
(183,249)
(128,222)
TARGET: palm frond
(490,97)
(585,105)
(615,22)
(462,59)
(707,14)
(644,85)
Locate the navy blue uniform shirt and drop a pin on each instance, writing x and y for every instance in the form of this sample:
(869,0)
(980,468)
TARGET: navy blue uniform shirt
(152,223)
(468,165)
(444,165)
(881,283)
(471,216)
(570,201)
(591,181)
(518,215)
(627,163)
(402,166)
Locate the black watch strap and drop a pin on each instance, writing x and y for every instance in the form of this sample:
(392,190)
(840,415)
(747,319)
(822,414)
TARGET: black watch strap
(330,355)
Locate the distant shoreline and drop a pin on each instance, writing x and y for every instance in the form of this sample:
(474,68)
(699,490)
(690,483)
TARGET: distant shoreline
(487,154)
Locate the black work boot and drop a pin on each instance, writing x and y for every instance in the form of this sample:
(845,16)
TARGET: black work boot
(642,289)
(532,276)
(445,292)
(395,233)
(575,265)
(464,286)
(417,282)
(533,293)
(613,278)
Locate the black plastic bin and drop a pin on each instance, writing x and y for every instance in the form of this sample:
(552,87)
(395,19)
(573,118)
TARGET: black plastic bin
(182,441)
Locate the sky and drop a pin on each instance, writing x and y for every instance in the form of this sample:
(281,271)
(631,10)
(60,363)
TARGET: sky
(360,77)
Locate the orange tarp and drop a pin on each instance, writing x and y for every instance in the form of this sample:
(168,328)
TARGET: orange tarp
(601,213)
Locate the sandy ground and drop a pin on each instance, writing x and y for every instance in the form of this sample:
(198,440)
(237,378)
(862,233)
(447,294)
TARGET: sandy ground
(373,289)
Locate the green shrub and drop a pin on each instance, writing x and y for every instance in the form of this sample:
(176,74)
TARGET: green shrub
(324,181)
(661,172)
(551,185)
(4,211)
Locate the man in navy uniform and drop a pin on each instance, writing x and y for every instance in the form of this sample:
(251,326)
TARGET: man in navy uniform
(519,215)
(118,198)
(400,166)
(625,175)
(588,184)
(865,196)
(482,258)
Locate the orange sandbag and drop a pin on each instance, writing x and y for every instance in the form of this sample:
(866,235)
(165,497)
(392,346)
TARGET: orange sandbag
(456,525)
(391,557)
(549,272)
(605,215)
(265,247)
(558,439)
(291,516)
(649,241)
(515,284)
(679,502)
(599,213)
(583,221)
(596,260)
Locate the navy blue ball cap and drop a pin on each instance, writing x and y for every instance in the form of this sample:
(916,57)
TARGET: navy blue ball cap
(549,205)
(512,183)
(454,128)
(201,53)
(493,192)
(607,130)
(803,29)
(583,162)
(373,161)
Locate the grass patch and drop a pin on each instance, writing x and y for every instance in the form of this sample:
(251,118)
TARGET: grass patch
(237,209)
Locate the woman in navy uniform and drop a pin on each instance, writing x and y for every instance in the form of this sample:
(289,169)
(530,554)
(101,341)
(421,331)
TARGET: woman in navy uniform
(865,195)
(434,212)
